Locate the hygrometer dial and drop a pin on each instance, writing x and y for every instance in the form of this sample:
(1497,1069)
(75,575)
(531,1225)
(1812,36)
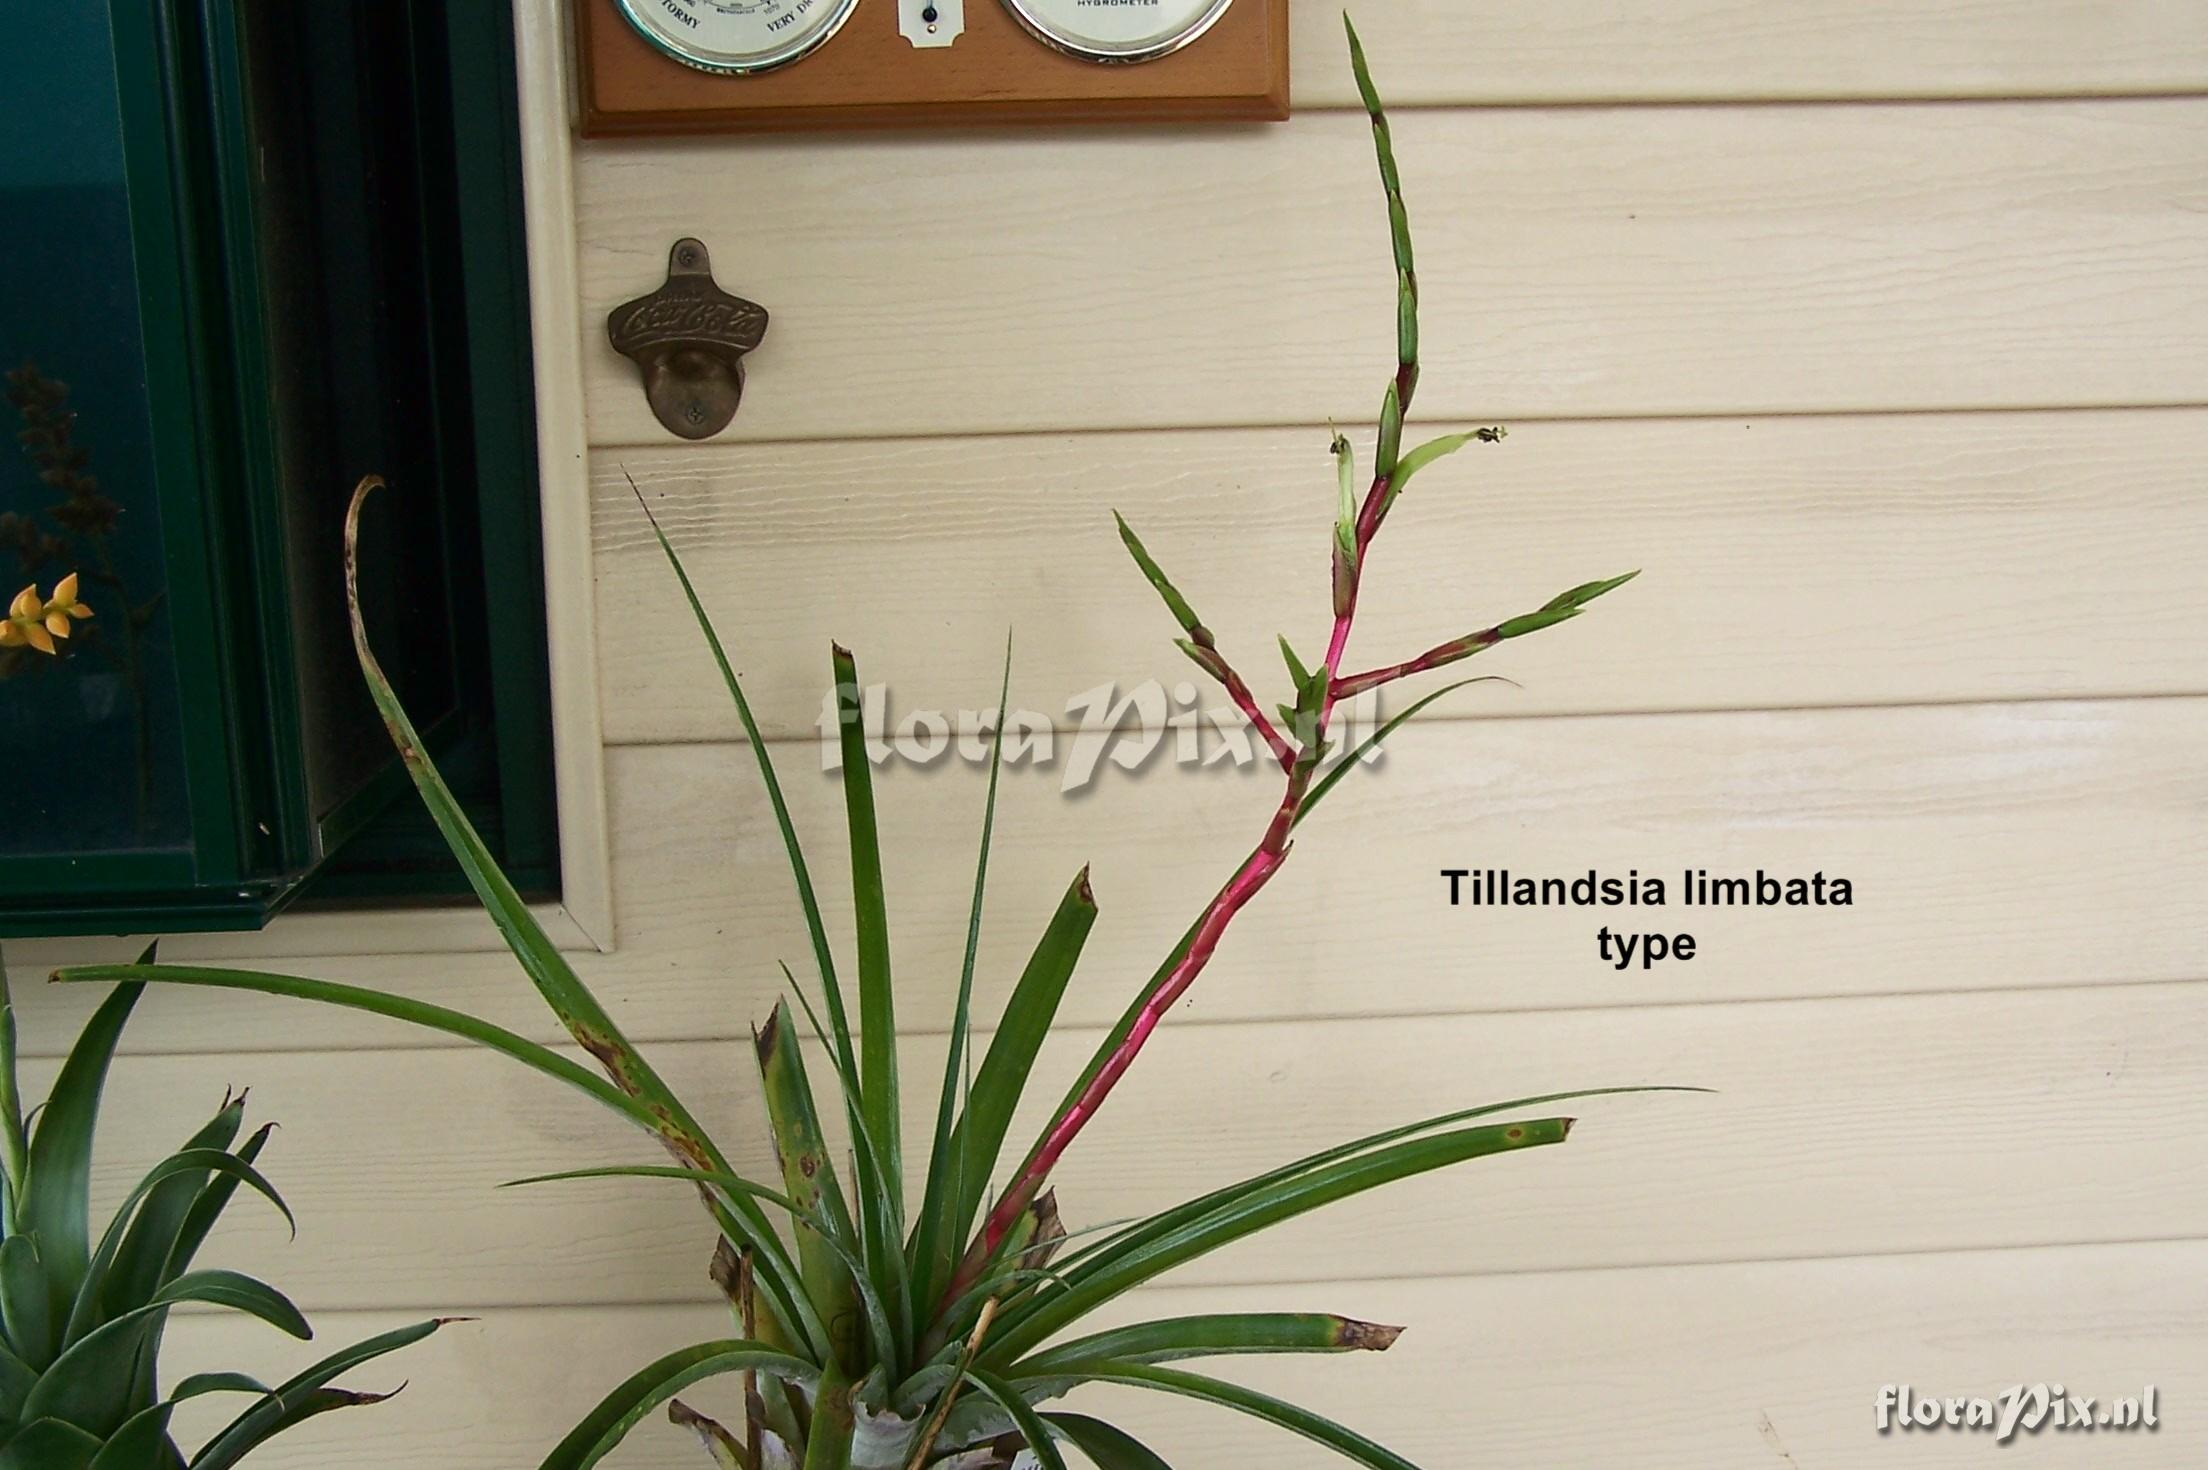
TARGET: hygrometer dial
(1117,30)
(736,37)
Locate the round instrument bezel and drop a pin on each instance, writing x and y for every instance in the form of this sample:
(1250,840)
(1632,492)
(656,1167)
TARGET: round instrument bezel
(796,49)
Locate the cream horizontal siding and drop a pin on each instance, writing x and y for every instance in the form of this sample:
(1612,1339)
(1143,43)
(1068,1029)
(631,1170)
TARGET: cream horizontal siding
(1991,847)
(1575,262)
(1900,403)
(1792,561)
(1815,1142)
(1718,1367)
(1436,53)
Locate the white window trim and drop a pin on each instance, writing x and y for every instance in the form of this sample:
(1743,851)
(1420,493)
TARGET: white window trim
(563,476)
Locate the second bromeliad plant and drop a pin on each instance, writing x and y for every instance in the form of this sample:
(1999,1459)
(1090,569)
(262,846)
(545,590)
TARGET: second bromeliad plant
(894,1331)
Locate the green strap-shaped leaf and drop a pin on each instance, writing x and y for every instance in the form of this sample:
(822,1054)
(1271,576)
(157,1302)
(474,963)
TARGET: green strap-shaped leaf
(1040,1441)
(646,1389)
(377,1003)
(57,1200)
(847,1065)
(878,1232)
(199,1222)
(190,1165)
(1103,1277)
(204,1383)
(1141,1232)
(238,1292)
(85,1382)
(299,1406)
(1111,1447)
(828,1437)
(1105,1050)
(878,1177)
(80,1387)
(1110,1044)
(16,1382)
(49,1444)
(838,1018)
(304,1396)
(139,1265)
(1019,1039)
(139,1444)
(207,1207)
(741,1220)
(809,1178)
(735,1184)
(1121,1242)
(1317,1428)
(937,1231)
(563,990)
(877,1005)
(1213,1336)
(14,1144)
(27,1302)
(767,1252)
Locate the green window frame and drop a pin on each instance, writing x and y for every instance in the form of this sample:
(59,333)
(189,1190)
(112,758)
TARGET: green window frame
(399,120)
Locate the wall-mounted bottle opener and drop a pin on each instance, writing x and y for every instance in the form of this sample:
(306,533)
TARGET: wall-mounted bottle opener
(688,339)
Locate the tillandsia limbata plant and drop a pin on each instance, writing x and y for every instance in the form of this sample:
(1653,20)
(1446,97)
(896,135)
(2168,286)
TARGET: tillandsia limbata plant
(81,1321)
(887,1331)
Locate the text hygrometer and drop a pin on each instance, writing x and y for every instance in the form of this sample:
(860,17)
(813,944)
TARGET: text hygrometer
(736,37)
(1117,30)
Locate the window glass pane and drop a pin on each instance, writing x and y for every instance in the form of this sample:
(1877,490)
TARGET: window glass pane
(89,733)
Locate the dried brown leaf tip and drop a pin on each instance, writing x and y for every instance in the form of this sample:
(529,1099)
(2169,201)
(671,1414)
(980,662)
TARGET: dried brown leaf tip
(1368,1336)
(724,1447)
(726,1270)
(1049,1231)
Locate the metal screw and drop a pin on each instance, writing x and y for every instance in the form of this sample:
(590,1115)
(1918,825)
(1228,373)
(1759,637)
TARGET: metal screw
(695,412)
(687,255)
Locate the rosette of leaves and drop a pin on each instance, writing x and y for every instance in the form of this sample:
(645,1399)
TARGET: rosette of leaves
(895,1314)
(82,1317)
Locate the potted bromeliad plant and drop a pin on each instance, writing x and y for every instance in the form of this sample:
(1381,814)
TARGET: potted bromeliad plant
(923,1313)
(82,1319)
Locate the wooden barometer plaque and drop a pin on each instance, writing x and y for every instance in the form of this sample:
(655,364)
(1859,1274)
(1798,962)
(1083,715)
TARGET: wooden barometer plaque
(719,66)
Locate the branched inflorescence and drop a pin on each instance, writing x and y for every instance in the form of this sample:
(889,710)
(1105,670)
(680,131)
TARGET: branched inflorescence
(1299,741)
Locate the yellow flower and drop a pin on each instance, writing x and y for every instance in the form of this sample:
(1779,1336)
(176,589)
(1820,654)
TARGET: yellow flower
(37,621)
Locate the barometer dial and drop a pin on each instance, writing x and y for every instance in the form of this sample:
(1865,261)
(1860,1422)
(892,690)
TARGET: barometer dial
(736,37)
(1117,30)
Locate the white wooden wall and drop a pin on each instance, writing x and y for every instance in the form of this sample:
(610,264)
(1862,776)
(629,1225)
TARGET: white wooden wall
(1877,333)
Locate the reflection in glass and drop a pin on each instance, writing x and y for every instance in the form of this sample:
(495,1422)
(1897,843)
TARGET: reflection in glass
(91,756)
